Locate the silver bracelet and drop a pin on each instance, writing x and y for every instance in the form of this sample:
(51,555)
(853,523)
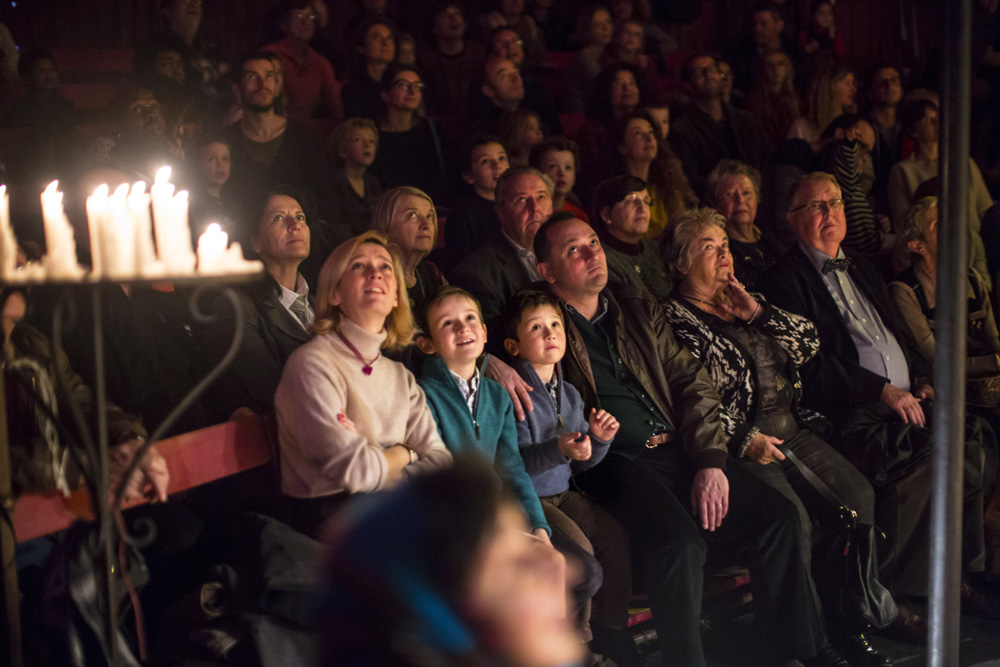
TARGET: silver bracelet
(754,316)
(751,434)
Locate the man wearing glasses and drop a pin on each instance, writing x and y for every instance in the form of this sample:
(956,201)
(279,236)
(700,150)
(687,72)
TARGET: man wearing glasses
(865,381)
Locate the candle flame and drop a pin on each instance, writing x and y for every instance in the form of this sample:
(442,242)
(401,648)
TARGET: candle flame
(213,228)
(139,189)
(162,175)
(121,191)
(3,191)
(53,187)
(182,196)
(101,190)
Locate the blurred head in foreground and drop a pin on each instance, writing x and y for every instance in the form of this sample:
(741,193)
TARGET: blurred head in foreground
(443,571)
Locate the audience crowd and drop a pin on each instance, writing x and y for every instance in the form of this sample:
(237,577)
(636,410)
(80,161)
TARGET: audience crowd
(674,300)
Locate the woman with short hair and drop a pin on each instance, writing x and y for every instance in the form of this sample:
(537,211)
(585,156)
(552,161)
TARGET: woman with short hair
(622,210)
(276,312)
(411,147)
(752,351)
(733,189)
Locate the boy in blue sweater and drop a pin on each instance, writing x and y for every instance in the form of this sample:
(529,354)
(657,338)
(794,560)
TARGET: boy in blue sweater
(473,413)
(557,439)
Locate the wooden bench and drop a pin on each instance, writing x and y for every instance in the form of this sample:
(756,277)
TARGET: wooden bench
(193,459)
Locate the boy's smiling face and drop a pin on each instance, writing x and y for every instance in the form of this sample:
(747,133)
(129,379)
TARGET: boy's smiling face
(541,336)
(457,333)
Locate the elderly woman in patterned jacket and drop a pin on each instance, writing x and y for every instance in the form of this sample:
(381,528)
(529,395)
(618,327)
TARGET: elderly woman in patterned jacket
(752,350)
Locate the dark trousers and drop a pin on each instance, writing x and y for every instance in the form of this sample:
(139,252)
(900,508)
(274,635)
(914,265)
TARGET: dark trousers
(846,482)
(896,458)
(590,529)
(650,496)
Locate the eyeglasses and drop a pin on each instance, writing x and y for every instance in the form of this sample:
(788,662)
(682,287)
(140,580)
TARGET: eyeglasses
(637,201)
(304,16)
(403,84)
(818,205)
(138,110)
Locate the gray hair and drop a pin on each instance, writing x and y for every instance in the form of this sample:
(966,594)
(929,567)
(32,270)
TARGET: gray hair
(685,231)
(730,167)
(812,177)
(386,205)
(500,193)
(913,226)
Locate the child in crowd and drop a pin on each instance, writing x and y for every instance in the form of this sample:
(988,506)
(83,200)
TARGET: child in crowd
(41,105)
(472,412)
(352,147)
(521,131)
(559,158)
(558,439)
(51,144)
(406,50)
(211,168)
(474,220)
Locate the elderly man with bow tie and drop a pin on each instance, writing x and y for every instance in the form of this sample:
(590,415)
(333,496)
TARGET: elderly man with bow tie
(866,381)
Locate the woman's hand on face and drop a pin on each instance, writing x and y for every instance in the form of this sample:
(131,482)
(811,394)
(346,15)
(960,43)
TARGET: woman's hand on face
(741,304)
(763,449)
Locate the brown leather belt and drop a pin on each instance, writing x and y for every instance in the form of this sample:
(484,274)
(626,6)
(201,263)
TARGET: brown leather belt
(658,439)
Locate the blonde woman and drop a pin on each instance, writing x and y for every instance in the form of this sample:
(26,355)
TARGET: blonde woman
(407,218)
(349,419)
(831,94)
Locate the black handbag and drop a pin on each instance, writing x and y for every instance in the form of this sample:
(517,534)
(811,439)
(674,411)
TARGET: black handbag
(845,552)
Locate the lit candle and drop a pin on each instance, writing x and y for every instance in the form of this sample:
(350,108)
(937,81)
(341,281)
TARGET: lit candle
(97,214)
(119,237)
(60,247)
(8,244)
(162,194)
(182,259)
(212,245)
(145,253)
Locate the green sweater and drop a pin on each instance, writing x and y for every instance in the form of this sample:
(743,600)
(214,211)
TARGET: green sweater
(492,431)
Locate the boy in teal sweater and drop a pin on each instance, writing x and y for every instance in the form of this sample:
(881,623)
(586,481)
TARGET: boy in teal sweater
(473,413)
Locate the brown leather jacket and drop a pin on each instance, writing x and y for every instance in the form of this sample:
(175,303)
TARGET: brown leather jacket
(676,381)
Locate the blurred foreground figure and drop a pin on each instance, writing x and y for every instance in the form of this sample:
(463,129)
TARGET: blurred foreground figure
(443,571)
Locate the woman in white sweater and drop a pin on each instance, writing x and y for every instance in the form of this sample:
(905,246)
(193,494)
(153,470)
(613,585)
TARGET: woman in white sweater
(350,420)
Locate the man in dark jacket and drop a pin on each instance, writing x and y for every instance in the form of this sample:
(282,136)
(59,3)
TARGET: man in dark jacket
(668,461)
(710,129)
(866,381)
(267,148)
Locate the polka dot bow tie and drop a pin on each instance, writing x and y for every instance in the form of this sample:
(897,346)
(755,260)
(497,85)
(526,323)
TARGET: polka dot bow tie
(831,265)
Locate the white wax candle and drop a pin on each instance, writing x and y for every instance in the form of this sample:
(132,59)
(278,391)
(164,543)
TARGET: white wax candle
(8,244)
(138,210)
(183,258)
(97,215)
(119,237)
(162,194)
(60,255)
(212,245)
